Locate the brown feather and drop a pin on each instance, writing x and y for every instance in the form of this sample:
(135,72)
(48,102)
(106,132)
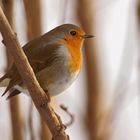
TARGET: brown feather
(39,60)
(13,93)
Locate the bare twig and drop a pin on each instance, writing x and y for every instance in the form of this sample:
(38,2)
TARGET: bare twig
(8,10)
(14,103)
(138,18)
(30,122)
(39,97)
(16,120)
(70,114)
(86,18)
(45,133)
(33,16)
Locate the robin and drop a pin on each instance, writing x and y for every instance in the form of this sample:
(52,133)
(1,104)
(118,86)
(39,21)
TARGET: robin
(55,57)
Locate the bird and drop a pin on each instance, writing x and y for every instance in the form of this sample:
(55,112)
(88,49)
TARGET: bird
(56,59)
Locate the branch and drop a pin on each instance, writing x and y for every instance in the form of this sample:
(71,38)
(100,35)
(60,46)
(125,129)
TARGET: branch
(14,104)
(33,17)
(64,108)
(38,96)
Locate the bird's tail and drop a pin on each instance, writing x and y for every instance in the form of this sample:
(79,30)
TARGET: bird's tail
(4,81)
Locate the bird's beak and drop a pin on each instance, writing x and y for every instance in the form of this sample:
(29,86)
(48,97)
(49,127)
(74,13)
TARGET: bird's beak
(87,36)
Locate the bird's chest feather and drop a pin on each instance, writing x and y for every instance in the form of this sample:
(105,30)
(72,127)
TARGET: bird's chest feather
(60,75)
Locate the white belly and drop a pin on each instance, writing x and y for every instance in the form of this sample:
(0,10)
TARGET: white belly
(62,84)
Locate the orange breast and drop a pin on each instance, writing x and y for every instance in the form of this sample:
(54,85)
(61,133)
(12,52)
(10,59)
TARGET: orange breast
(76,59)
(74,46)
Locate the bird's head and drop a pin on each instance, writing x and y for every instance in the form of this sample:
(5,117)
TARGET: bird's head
(69,34)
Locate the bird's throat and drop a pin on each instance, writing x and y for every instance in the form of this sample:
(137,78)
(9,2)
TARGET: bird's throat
(74,49)
(75,60)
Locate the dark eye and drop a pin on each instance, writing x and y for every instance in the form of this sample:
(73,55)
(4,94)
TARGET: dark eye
(73,33)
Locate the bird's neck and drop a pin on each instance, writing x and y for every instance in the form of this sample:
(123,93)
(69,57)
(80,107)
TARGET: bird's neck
(74,48)
(76,59)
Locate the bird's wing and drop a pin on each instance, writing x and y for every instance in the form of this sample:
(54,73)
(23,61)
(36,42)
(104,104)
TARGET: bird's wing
(39,56)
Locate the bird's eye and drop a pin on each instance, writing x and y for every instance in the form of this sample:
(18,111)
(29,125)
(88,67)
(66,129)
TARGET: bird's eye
(73,33)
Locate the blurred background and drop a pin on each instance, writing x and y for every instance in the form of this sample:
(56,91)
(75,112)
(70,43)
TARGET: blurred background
(105,100)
